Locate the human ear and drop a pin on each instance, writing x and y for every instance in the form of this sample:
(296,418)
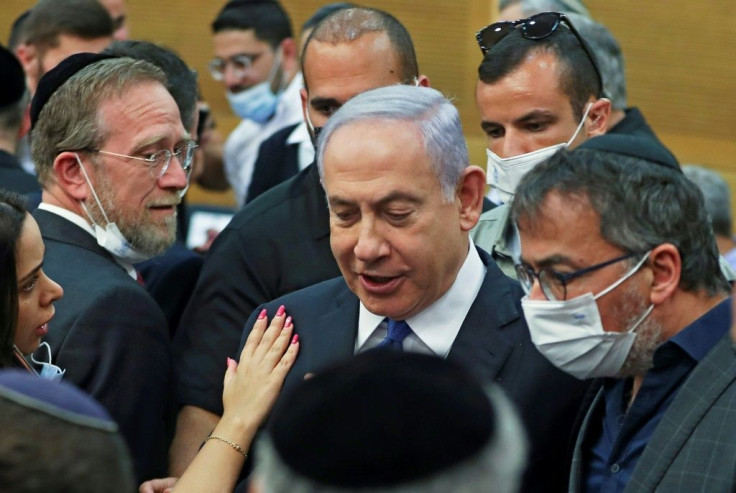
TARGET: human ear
(470,196)
(598,116)
(666,266)
(69,176)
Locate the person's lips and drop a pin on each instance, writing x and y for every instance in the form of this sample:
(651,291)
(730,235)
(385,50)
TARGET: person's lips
(379,285)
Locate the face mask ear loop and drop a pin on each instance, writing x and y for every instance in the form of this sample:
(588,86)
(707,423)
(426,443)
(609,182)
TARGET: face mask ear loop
(48,353)
(580,125)
(628,274)
(275,68)
(94,194)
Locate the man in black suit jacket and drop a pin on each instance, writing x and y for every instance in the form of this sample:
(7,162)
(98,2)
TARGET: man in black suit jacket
(109,199)
(13,125)
(400,213)
(279,242)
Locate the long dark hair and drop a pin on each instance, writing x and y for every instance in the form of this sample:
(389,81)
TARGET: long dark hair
(12,216)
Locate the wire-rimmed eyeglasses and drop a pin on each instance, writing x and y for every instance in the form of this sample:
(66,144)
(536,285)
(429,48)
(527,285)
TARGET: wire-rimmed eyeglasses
(158,162)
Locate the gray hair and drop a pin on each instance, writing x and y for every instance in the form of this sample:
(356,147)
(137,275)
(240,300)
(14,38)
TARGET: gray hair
(717,197)
(531,7)
(70,119)
(433,115)
(609,56)
(497,467)
(640,205)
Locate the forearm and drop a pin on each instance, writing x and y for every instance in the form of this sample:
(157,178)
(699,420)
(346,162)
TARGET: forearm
(193,425)
(217,465)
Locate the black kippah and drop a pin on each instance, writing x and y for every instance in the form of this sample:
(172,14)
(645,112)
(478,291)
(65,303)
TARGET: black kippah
(234,4)
(382,419)
(636,146)
(12,81)
(57,76)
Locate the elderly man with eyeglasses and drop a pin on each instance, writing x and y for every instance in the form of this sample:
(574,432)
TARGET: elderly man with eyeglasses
(113,159)
(621,270)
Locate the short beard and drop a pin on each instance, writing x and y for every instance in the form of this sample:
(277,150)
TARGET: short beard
(648,336)
(145,236)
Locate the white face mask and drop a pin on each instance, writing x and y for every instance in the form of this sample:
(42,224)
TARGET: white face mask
(257,103)
(110,237)
(504,174)
(48,371)
(570,333)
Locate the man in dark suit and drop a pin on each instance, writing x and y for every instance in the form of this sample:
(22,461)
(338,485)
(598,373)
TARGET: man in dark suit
(110,193)
(412,280)
(628,244)
(280,242)
(13,125)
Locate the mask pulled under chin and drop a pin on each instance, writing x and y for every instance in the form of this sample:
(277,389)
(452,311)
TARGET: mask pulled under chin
(570,333)
(110,237)
(258,103)
(504,174)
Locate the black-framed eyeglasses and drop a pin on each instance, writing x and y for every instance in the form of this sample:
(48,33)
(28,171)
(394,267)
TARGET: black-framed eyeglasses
(553,283)
(158,162)
(538,26)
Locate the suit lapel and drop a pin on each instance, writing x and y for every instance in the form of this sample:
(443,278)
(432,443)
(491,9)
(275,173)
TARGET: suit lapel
(337,328)
(480,346)
(699,392)
(576,468)
(56,228)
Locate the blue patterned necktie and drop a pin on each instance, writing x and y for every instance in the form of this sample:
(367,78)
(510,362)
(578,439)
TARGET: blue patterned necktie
(397,332)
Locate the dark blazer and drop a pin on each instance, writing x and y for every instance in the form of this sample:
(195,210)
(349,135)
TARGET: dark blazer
(275,245)
(694,446)
(111,338)
(493,343)
(276,162)
(13,177)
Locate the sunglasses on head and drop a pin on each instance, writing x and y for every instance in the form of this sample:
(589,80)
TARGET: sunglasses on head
(536,27)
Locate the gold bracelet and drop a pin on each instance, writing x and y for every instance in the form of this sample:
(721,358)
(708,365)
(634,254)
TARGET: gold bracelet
(232,444)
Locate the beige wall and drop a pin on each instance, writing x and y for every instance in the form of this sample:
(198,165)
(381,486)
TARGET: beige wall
(679,66)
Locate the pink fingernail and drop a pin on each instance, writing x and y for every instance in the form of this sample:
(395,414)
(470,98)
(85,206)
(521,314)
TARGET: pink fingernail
(295,339)
(230,361)
(281,311)
(288,322)
(262,315)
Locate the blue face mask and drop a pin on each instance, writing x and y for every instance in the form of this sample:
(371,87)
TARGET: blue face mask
(48,371)
(257,103)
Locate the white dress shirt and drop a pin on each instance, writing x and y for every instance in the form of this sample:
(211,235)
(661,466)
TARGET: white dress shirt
(300,136)
(241,147)
(435,328)
(82,223)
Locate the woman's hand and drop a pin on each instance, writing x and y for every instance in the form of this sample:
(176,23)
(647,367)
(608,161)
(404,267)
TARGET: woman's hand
(251,386)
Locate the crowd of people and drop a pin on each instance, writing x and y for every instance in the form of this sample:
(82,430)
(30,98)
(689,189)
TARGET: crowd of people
(379,314)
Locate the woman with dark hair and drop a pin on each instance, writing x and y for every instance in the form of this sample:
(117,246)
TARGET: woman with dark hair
(26,293)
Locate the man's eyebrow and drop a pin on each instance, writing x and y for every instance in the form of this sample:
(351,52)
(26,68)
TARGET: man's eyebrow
(154,139)
(317,101)
(552,260)
(337,201)
(536,114)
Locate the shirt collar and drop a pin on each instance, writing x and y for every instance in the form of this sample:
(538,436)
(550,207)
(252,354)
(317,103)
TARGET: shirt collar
(698,338)
(438,324)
